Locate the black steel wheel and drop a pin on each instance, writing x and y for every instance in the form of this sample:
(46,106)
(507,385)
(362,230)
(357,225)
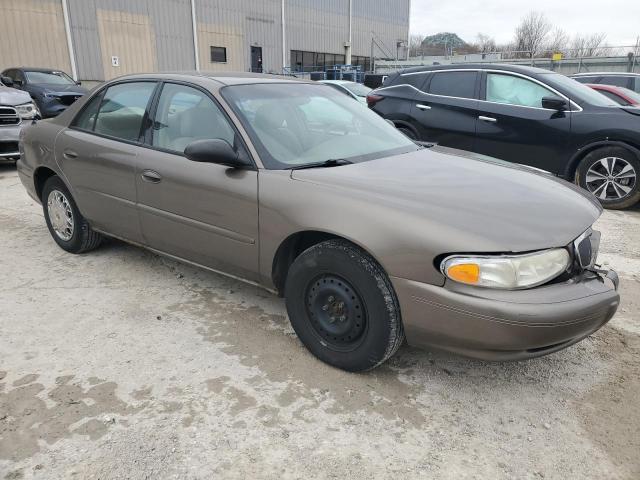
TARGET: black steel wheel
(343,307)
(336,311)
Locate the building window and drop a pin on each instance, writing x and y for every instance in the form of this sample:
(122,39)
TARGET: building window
(219,54)
(317,62)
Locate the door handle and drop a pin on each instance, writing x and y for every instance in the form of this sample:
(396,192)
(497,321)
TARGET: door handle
(70,154)
(423,107)
(487,119)
(151,176)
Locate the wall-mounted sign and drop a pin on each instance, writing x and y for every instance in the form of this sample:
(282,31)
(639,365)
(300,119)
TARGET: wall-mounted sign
(115,61)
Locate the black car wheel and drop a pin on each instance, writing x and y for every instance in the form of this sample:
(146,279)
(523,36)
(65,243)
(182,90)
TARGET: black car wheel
(408,132)
(612,174)
(342,306)
(67,226)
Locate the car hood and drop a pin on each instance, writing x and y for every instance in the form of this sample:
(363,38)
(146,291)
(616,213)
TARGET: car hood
(487,205)
(12,96)
(56,88)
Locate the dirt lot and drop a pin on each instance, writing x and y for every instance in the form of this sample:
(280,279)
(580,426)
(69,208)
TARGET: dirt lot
(123,364)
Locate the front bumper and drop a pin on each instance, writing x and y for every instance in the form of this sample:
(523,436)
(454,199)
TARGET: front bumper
(9,137)
(503,324)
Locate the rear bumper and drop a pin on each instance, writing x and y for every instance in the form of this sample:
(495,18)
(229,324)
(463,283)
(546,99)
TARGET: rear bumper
(504,325)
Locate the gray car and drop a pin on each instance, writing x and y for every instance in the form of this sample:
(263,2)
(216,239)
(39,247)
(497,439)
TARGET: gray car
(16,108)
(369,237)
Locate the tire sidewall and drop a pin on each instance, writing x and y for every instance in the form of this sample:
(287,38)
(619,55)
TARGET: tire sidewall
(74,244)
(383,316)
(604,152)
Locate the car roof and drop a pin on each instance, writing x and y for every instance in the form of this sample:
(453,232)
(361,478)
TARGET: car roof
(36,69)
(609,74)
(223,78)
(336,82)
(478,66)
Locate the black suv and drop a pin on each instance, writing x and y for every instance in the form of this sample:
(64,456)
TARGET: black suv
(626,80)
(521,114)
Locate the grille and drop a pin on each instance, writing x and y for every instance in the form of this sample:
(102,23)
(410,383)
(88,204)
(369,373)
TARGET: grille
(8,116)
(8,147)
(68,99)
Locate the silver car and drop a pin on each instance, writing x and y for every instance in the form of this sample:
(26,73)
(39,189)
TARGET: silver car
(16,108)
(370,237)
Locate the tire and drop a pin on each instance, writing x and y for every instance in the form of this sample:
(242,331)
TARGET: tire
(76,236)
(613,195)
(408,133)
(366,330)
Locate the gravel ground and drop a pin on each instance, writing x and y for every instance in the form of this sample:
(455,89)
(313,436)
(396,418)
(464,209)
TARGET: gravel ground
(123,364)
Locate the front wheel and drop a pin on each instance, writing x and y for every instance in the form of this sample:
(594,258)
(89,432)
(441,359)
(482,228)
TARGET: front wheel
(611,174)
(342,306)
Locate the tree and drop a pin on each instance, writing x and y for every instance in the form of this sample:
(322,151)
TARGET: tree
(558,42)
(485,44)
(415,44)
(532,33)
(588,45)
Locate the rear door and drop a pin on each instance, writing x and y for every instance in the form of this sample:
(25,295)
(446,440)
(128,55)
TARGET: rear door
(202,212)
(446,110)
(513,126)
(97,154)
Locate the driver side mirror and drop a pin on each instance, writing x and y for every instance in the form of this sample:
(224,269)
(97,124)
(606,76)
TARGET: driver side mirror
(215,151)
(555,103)
(78,82)
(8,81)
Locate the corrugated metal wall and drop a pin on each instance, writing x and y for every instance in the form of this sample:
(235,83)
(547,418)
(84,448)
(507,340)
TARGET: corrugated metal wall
(150,35)
(32,34)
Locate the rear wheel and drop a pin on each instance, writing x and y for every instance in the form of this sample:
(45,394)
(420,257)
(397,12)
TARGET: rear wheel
(612,175)
(342,306)
(67,226)
(408,132)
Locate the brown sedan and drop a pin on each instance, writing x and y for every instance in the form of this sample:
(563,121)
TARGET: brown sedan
(295,187)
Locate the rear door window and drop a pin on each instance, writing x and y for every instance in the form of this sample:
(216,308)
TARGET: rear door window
(454,84)
(637,84)
(122,110)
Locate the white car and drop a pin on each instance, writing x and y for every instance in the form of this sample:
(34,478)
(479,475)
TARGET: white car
(16,106)
(358,91)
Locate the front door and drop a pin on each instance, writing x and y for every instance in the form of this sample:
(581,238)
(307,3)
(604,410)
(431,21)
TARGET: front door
(256,59)
(513,126)
(447,114)
(97,155)
(201,212)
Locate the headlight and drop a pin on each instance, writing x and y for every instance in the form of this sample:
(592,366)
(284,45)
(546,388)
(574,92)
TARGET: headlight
(27,111)
(507,271)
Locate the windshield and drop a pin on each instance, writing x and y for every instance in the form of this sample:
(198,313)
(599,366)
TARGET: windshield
(53,77)
(358,89)
(579,92)
(297,124)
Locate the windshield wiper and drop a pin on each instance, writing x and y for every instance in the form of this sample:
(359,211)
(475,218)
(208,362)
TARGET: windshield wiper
(332,162)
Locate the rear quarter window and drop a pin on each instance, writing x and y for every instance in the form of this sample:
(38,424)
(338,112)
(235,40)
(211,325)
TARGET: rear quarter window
(415,80)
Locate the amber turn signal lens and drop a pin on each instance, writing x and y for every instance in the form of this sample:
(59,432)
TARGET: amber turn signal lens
(464,272)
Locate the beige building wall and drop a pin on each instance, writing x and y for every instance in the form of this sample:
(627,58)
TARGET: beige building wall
(131,38)
(33,35)
(220,36)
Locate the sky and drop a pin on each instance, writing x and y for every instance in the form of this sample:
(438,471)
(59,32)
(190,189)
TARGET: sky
(618,19)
